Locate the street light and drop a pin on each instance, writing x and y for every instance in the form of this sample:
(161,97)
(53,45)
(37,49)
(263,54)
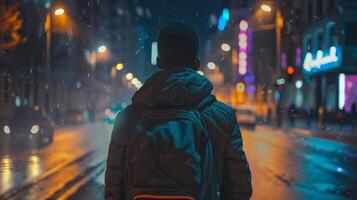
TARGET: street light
(59,11)
(129,76)
(102,49)
(211,66)
(48,30)
(134,81)
(278,25)
(119,66)
(266,8)
(225,47)
(240,87)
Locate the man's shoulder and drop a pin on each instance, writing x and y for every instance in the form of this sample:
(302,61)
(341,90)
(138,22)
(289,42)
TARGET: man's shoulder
(125,116)
(129,111)
(221,109)
(221,116)
(221,121)
(124,113)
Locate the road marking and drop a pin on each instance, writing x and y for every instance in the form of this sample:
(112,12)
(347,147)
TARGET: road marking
(12,192)
(76,183)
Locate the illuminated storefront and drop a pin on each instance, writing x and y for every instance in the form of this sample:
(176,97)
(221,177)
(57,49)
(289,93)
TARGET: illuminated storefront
(329,68)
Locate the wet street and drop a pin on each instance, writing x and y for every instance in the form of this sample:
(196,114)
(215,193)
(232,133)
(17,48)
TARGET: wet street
(31,172)
(284,166)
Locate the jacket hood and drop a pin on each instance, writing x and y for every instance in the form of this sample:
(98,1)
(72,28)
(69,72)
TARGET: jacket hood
(173,87)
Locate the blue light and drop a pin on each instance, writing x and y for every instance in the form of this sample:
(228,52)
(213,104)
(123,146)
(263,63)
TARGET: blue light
(223,19)
(249,79)
(251,89)
(339,169)
(322,60)
(221,23)
(17,101)
(225,14)
(78,85)
(154,53)
(277,95)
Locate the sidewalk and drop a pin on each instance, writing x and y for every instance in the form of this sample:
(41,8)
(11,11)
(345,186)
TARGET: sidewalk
(334,132)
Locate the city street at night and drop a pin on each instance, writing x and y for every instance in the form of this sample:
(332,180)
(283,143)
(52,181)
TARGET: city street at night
(284,166)
(178,99)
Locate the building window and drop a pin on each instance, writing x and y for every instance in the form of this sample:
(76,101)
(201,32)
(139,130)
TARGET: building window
(330,5)
(319,8)
(332,35)
(308,44)
(310,11)
(351,32)
(319,41)
(298,18)
(332,97)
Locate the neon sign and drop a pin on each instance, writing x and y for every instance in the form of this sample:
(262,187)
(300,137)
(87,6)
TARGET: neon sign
(243,44)
(321,60)
(223,19)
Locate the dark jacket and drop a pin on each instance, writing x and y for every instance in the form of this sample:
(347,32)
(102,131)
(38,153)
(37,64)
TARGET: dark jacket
(183,88)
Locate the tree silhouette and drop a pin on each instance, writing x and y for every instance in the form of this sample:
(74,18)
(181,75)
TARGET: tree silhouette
(11,25)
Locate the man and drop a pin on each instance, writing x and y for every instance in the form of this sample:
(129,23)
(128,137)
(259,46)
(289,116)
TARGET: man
(178,85)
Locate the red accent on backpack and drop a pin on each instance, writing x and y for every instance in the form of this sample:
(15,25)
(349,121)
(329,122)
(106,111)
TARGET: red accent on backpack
(178,197)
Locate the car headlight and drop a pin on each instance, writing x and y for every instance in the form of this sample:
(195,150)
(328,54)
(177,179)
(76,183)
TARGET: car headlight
(7,129)
(35,128)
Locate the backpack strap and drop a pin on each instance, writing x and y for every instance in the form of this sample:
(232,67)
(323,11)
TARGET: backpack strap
(206,102)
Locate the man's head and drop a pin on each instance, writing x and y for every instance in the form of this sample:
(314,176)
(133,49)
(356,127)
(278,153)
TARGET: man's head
(178,46)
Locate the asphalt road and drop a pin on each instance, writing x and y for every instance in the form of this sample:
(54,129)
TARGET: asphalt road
(31,172)
(284,166)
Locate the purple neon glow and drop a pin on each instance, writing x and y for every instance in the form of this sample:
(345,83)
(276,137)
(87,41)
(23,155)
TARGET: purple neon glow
(249,79)
(298,57)
(243,25)
(243,46)
(284,63)
(251,89)
(350,91)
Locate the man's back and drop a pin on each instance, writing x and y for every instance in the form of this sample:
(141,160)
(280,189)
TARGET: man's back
(178,86)
(181,89)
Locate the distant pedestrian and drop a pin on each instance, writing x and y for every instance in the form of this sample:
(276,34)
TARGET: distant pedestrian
(291,114)
(176,141)
(353,116)
(310,116)
(279,113)
(321,117)
(269,115)
(341,117)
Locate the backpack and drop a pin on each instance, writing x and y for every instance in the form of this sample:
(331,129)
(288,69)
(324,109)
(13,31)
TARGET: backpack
(170,156)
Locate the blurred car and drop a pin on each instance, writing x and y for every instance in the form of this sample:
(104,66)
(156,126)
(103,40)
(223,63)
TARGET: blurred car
(29,125)
(110,112)
(74,116)
(246,117)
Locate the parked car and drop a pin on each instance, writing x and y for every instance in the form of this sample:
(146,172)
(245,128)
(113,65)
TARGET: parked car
(246,117)
(30,125)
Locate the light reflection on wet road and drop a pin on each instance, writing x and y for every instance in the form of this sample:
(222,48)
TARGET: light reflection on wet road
(284,165)
(25,163)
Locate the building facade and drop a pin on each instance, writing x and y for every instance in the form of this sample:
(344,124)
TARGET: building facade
(51,70)
(330,54)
